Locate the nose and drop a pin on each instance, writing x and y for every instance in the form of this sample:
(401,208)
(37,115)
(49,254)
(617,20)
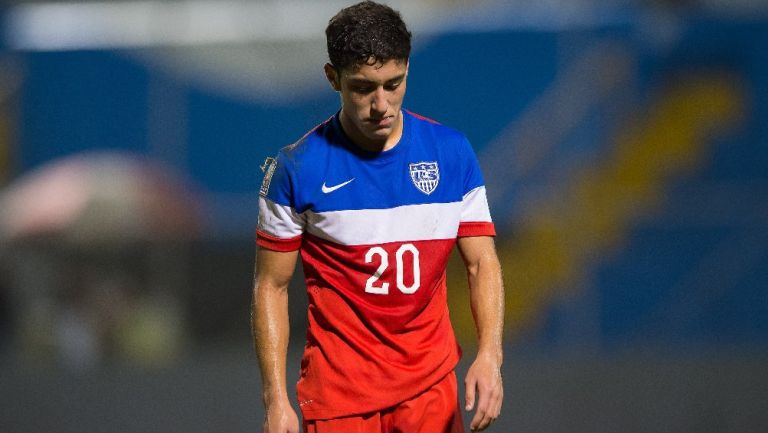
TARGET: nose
(379,104)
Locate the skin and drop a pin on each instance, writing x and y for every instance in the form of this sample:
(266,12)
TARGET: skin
(270,327)
(371,98)
(483,384)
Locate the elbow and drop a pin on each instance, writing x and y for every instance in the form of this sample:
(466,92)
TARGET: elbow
(270,289)
(473,269)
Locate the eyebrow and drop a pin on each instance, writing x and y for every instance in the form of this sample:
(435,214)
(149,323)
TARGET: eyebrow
(365,81)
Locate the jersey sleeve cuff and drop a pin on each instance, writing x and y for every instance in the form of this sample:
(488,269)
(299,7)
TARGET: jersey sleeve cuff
(476,228)
(265,240)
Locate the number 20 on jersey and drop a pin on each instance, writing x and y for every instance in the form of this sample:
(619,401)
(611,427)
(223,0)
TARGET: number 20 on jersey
(379,255)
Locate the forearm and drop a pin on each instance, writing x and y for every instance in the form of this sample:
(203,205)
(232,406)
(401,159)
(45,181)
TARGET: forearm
(487,303)
(486,290)
(270,327)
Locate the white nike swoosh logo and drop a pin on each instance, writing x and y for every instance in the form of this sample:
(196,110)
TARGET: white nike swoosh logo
(329,189)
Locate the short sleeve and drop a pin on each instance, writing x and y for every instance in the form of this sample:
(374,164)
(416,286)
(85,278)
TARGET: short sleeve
(475,214)
(279,227)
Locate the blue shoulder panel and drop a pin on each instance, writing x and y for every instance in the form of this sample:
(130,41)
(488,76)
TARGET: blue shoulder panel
(324,171)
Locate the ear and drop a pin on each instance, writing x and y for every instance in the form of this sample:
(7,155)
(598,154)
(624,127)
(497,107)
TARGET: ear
(333,77)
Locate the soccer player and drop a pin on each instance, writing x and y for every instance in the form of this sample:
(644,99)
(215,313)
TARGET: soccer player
(374,199)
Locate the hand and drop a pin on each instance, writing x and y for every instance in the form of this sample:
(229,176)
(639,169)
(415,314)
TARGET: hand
(484,382)
(281,418)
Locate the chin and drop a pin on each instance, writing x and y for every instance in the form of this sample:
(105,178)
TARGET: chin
(381,134)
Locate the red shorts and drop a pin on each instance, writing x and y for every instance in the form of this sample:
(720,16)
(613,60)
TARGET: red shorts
(436,410)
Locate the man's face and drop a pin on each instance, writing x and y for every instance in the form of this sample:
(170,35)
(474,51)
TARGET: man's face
(371,97)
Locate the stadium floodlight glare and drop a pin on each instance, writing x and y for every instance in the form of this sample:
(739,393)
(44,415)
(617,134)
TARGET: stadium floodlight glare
(139,24)
(61,26)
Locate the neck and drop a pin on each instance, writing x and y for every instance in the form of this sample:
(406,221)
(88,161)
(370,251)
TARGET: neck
(367,143)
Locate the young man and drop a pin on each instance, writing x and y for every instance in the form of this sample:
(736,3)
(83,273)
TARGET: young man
(375,198)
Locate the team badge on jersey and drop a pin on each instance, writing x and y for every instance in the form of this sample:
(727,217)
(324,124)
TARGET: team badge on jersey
(425,175)
(269,169)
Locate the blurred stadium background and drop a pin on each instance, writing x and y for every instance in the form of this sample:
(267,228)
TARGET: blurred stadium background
(624,145)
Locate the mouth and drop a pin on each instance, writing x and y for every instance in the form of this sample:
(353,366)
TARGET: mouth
(382,122)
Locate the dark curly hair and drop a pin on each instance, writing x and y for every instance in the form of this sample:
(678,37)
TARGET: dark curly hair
(367,33)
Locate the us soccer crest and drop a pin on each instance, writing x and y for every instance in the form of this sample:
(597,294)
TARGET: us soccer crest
(425,175)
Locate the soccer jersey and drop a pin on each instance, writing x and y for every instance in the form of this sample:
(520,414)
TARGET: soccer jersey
(375,230)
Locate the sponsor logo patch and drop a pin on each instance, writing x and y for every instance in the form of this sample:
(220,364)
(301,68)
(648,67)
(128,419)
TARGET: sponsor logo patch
(425,175)
(269,169)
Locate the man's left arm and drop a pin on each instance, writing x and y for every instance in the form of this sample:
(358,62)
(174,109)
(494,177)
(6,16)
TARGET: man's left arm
(483,382)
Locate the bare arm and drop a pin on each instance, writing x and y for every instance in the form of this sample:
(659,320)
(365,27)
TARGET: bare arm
(269,324)
(483,381)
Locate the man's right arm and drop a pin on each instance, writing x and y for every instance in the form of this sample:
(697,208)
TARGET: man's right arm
(270,327)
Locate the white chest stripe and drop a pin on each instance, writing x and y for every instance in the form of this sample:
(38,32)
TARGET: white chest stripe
(376,226)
